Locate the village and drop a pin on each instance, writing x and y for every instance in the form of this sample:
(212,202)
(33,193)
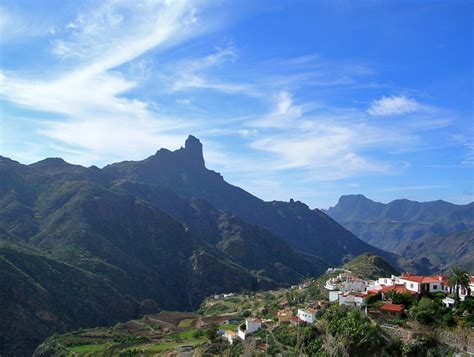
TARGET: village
(294,320)
(376,298)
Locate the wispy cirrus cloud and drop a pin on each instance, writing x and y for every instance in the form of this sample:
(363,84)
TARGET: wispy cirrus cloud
(90,94)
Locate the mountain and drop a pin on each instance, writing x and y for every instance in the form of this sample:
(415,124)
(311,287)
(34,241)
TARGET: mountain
(393,225)
(184,172)
(163,231)
(437,253)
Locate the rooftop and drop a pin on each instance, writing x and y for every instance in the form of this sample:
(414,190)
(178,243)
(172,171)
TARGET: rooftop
(392,307)
(399,288)
(419,278)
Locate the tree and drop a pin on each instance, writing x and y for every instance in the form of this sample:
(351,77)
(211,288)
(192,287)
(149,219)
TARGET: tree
(458,278)
(426,311)
(211,332)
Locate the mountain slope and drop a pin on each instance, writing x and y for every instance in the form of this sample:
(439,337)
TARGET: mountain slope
(442,251)
(398,223)
(40,295)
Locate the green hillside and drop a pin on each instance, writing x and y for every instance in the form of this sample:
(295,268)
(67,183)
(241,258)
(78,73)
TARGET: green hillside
(370,266)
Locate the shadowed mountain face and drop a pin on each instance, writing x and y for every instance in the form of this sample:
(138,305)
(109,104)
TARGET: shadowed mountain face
(165,228)
(437,253)
(183,171)
(416,230)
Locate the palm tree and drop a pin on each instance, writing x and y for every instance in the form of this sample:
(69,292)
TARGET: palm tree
(457,279)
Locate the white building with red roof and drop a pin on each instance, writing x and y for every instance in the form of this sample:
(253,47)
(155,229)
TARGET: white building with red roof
(422,284)
(410,283)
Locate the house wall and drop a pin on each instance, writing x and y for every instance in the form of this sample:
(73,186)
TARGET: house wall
(334,295)
(411,285)
(252,326)
(306,316)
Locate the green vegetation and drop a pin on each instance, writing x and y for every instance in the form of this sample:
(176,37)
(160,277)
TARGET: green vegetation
(370,266)
(185,323)
(82,349)
(432,312)
(354,331)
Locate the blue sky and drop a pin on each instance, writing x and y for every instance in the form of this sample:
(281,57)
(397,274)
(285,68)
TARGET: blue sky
(291,99)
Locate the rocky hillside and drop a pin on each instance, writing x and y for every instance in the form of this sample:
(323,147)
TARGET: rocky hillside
(434,254)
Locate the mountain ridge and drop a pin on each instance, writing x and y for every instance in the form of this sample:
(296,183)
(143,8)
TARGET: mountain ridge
(403,227)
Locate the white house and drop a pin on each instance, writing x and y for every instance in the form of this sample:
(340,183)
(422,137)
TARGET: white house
(334,295)
(414,283)
(251,325)
(357,285)
(354,299)
(307,315)
(230,336)
(421,284)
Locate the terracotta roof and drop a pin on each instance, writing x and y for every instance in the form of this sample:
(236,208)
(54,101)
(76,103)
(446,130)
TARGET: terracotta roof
(472,279)
(419,278)
(399,288)
(359,294)
(230,333)
(392,307)
(442,278)
(255,319)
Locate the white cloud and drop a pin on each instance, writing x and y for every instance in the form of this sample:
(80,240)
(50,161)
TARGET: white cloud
(469,157)
(324,151)
(97,117)
(15,26)
(395,105)
(284,114)
(194,74)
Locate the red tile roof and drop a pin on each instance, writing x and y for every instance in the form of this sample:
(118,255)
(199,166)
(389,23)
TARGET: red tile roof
(419,278)
(442,278)
(373,291)
(399,288)
(392,307)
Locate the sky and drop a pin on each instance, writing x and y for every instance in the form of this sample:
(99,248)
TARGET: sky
(307,100)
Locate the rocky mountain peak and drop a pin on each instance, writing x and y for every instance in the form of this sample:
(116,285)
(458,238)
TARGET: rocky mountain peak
(193,149)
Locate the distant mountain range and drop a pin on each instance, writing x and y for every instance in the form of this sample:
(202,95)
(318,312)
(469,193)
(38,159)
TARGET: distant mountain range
(432,235)
(85,246)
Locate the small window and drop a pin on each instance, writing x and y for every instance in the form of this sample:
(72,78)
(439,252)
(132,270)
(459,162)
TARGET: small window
(411,285)
(435,287)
